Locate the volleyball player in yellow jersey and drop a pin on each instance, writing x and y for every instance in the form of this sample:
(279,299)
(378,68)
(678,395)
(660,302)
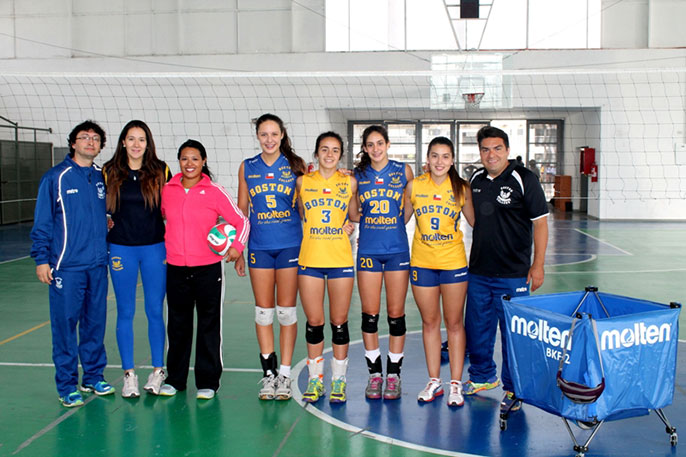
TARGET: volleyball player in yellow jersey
(326,260)
(438,266)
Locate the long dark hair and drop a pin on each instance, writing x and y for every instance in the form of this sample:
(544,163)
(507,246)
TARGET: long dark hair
(458,184)
(195,144)
(365,160)
(325,135)
(296,162)
(151,174)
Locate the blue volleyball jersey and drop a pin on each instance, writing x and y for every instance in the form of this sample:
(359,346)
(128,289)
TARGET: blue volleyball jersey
(274,217)
(382,224)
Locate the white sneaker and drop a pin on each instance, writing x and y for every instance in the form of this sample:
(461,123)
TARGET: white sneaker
(283,388)
(130,389)
(268,390)
(167,390)
(455,398)
(433,389)
(205,394)
(155,381)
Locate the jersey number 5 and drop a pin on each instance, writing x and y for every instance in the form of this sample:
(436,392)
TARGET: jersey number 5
(271,201)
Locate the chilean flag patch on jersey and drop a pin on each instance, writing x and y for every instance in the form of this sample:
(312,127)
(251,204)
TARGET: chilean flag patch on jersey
(270,176)
(326,191)
(437,197)
(378,180)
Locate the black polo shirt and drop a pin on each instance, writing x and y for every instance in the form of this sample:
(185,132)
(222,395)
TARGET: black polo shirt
(134,223)
(504,209)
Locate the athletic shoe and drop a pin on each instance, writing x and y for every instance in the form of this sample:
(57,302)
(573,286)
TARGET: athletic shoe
(374,386)
(432,390)
(130,389)
(205,394)
(167,390)
(100,388)
(283,388)
(155,381)
(71,400)
(337,391)
(392,390)
(315,390)
(268,390)
(455,397)
(510,403)
(471,387)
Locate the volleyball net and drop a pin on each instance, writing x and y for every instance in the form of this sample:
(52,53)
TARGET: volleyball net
(635,119)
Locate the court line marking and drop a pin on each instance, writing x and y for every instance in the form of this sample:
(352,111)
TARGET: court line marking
(50,365)
(285,438)
(297,396)
(603,241)
(667,270)
(590,259)
(25,332)
(14,260)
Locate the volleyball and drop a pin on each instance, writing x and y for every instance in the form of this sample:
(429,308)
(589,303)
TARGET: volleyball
(220,238)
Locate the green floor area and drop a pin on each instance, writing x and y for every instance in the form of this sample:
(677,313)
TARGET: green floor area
(236,423)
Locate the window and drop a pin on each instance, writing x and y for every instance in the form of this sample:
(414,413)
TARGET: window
(361,25)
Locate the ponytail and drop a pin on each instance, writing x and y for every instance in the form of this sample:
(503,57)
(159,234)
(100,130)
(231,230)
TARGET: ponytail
(365,160)
(296,162)
(195,144)
(457,183)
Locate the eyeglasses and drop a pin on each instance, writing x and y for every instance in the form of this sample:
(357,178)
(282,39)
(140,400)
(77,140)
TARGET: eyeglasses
(86,138)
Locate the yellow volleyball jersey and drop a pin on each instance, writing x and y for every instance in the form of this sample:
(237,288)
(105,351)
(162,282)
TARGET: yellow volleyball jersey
(325,204)
(437,242)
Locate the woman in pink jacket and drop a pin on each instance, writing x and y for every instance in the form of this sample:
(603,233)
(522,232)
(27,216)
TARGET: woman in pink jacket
(191,204)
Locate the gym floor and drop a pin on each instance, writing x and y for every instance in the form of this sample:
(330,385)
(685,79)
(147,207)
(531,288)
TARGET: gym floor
(645,260)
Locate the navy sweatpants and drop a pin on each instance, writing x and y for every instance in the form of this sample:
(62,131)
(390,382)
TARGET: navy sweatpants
(78,298)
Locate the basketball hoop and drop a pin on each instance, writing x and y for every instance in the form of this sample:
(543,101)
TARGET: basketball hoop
(472,99)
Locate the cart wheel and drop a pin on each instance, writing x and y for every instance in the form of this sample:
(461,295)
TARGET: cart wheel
(580,454)
(503,424)
(673,439)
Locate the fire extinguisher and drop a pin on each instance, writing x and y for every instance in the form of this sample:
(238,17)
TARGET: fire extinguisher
(310,167)
(594,172)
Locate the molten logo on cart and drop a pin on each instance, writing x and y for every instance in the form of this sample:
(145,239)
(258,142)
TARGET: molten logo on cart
(638,335)
(540,330)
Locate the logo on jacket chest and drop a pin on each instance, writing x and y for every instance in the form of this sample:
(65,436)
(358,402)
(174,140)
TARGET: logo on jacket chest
(100,187)
(504,198)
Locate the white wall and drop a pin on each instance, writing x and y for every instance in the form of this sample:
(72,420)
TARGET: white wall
(197,53)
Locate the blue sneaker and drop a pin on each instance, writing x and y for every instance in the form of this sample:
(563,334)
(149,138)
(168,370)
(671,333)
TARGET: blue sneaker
(71,400)
(510,403)
(471,387)
(100,388)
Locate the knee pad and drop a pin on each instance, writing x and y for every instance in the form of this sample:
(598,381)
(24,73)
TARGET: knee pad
(314,334)
(396,325)
(264,316)
(287,315)
(340,333)
(370,323)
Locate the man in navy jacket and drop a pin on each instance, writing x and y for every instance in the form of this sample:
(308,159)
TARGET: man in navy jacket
(70,250)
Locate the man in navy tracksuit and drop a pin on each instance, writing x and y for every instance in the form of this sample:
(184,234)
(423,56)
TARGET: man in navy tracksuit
(69,247)
(510,212)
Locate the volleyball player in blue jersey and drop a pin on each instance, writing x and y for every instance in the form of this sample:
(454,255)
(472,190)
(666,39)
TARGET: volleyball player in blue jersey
(382,256)
(266,193)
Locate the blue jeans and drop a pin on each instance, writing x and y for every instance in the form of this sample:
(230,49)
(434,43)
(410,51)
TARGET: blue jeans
(483,314)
